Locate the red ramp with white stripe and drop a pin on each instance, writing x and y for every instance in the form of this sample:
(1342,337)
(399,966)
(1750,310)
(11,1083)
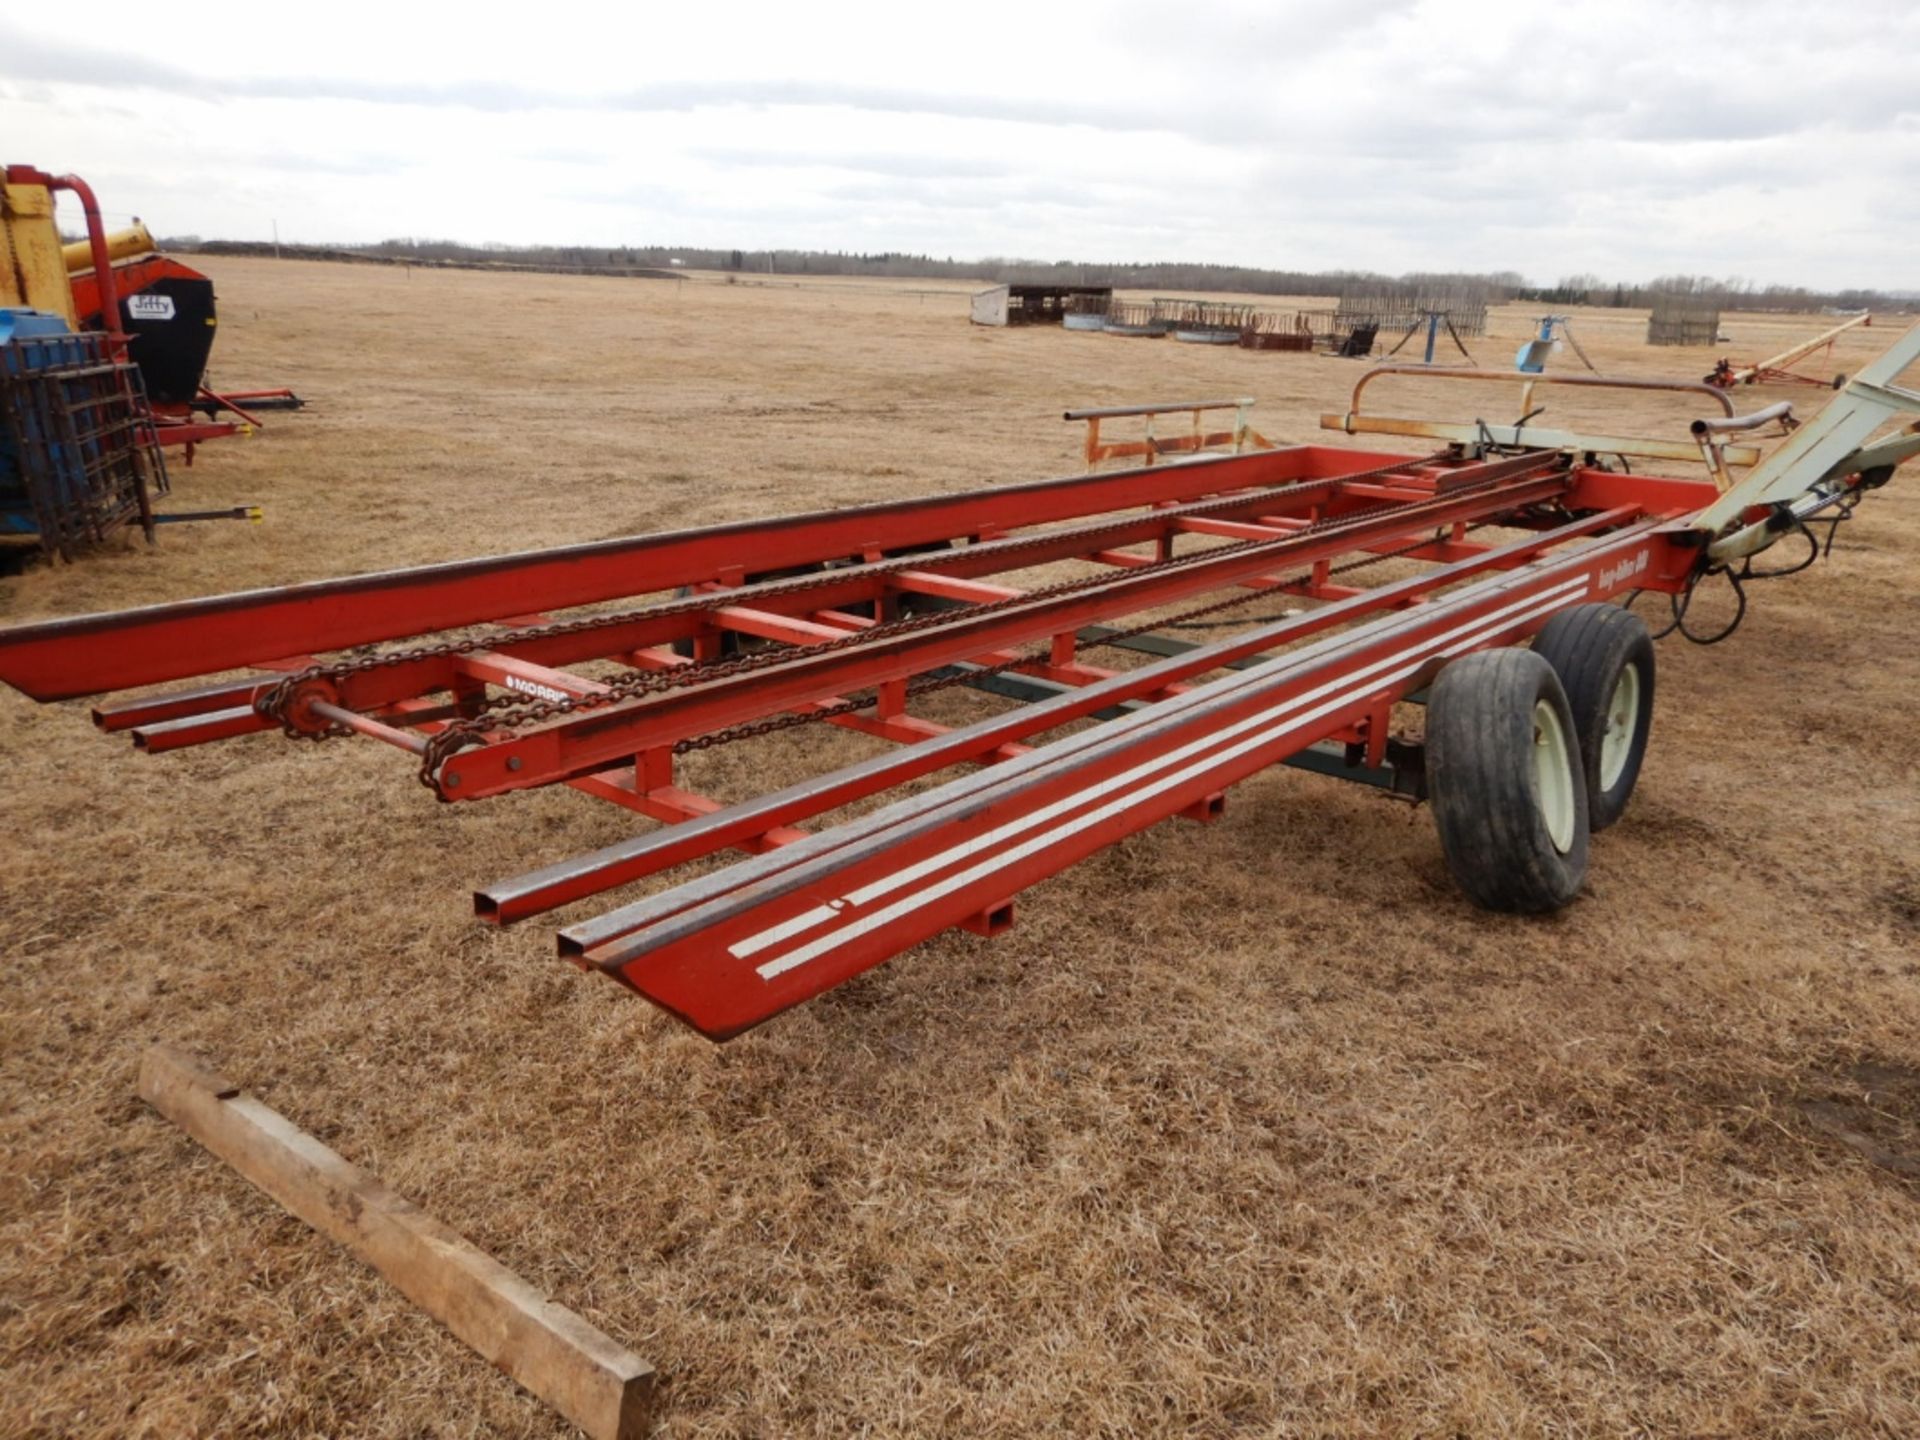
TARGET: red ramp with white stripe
(799,921)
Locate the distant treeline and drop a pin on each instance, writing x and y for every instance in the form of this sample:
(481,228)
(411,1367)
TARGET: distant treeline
(1731,294)
(366,255)
(1734,293)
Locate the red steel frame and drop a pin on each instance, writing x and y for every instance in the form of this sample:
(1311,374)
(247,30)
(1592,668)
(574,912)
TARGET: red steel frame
(730,950)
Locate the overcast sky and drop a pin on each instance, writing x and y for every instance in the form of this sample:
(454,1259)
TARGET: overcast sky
(1775,141)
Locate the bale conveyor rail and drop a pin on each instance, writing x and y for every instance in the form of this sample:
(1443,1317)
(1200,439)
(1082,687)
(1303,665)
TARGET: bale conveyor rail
(601,666)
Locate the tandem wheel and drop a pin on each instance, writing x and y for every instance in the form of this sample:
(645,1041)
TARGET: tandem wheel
(1604,658)
(1505,779)
(1530,751)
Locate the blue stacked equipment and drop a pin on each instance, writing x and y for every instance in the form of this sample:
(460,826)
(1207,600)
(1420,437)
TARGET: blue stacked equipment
(77,452)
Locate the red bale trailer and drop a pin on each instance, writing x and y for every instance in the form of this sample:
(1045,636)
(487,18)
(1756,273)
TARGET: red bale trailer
(597,666)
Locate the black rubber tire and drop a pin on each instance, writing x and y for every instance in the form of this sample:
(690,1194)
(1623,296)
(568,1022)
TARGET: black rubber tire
(1480,781)
(1588,647)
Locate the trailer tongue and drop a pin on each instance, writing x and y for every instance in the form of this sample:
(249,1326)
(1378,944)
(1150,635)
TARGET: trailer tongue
(600,666)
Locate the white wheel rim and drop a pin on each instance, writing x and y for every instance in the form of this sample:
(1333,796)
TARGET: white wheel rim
(1623,720)
(1553,775)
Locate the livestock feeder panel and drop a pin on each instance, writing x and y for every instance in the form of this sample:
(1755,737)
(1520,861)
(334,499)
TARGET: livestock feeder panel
(1405,577)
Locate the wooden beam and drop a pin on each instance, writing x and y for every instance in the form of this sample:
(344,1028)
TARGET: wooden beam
(599,1385)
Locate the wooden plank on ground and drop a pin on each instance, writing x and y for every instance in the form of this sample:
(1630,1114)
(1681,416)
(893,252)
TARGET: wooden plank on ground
(599,1385)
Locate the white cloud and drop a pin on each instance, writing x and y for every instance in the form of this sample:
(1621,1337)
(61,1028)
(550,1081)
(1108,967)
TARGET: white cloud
(1770,140)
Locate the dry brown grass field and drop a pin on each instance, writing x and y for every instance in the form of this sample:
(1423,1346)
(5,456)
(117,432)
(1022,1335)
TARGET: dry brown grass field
(1256,1128)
